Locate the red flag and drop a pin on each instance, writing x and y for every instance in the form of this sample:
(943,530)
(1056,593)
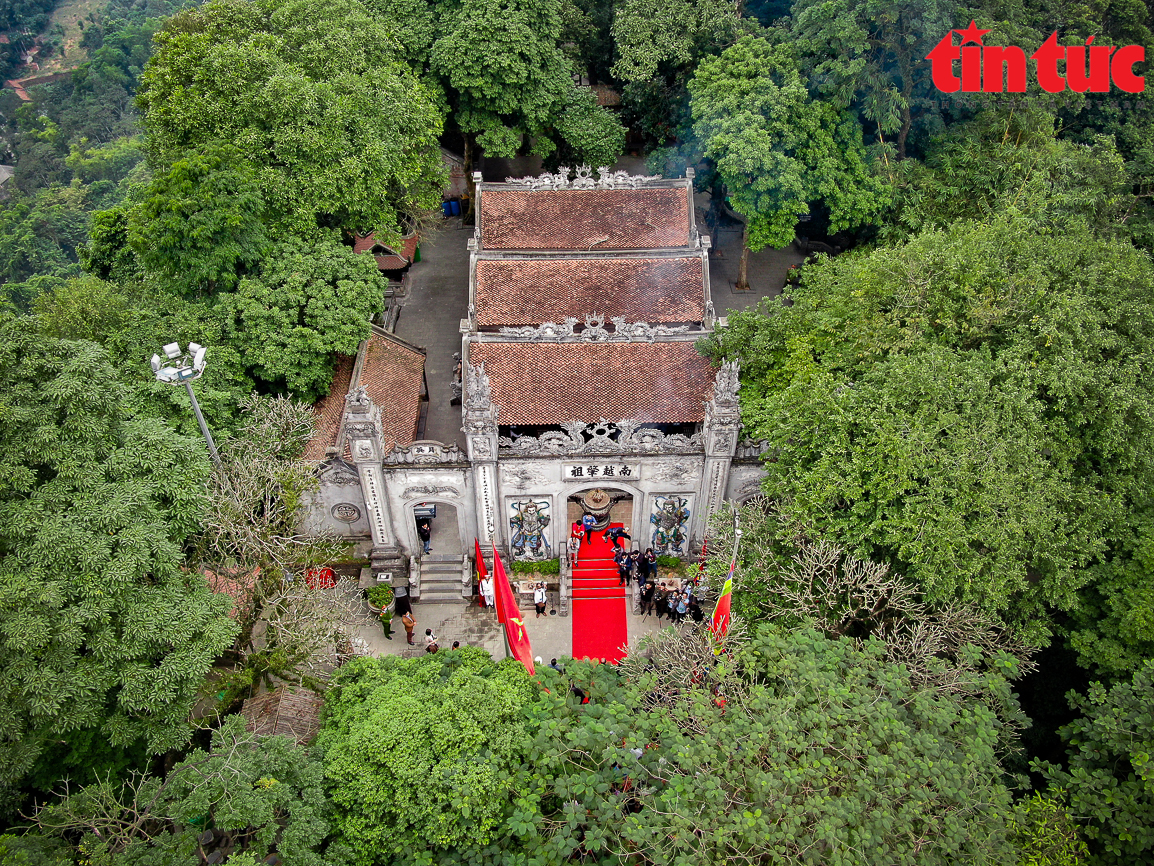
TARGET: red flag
(720,624)
(482,572)
(510,614)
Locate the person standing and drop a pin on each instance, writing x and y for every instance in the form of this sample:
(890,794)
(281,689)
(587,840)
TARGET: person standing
(635,565)
(646,599)
(425,533)
(409,623)
(622,560)
(682,607)
(487,592)
(539,598)
(661,601)
(651,567)
(588,522)
(387,623)
(574,547)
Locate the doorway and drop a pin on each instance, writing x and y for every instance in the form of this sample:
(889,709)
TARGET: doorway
(443,525)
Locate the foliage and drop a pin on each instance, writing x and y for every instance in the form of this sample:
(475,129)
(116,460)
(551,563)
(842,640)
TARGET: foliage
(256,794)
(523,92)
(776,149)
(591,135)
(1109,777)
(381,595)
(310,93)
(654,36)
(252,540)
(667,561)
(870,54)
(310,302)
(200,226)
(968,408)
(82,309)
(420,753)
(543,566)
(100,625)
(42,234)
(698,775)
(1045,833)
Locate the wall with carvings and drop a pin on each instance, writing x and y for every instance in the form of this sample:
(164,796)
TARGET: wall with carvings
(337,504)
(744,481)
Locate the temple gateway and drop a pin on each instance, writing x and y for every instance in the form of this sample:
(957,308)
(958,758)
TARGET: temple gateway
(579,386)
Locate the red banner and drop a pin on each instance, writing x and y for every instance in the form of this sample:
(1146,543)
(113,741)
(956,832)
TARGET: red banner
(510,614)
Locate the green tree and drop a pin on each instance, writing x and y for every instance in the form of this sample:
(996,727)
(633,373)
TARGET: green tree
(99,625)
(968,408)
(310,301)
(817,745)
(420,754)
(200,223)
(871,54)
(1110,777)
(256,795)
(777,150)
(312,95)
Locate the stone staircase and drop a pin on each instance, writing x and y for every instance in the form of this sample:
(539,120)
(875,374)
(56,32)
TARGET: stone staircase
(473,626)
(441,578)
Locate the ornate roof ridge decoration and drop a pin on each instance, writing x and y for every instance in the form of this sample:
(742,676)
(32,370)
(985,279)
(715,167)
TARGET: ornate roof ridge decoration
(478,391)
(726,385)
(594,331)
(427,451)
(607,179)
(580,438)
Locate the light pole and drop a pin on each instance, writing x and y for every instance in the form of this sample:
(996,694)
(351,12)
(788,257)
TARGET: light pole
(181,368)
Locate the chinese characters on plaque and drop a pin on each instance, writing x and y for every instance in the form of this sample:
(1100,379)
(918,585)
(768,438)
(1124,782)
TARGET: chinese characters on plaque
(597,471)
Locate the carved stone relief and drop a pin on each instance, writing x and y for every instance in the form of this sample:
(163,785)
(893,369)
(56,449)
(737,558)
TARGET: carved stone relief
(604,437)
(670,521)
(346,512)
(675,473)
(425,490)
(594,331)
(522,478)
(337,473)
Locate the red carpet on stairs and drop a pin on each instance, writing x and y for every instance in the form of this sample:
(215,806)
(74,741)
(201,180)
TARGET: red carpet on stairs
(599,625)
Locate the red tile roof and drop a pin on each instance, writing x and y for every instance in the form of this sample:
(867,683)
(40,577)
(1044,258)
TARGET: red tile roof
(392,372)
(529,292)
(394,375)
(554,383)
(288,711)
(585,219)
(391,259)
(327,411)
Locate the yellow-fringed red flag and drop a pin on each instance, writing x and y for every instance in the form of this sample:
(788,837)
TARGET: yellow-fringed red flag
(510,614)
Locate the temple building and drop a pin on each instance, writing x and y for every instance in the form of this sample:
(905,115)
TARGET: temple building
(581,389)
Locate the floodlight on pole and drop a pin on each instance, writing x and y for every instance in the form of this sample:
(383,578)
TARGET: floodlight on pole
(185,367)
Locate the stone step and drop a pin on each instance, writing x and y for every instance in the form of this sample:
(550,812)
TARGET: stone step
(441,557)
(437,568)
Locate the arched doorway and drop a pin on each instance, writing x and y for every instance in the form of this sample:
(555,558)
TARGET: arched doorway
(444,527)
(608,505)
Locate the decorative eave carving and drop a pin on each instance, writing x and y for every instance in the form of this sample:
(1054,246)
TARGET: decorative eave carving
(726,385)
(428,452)
(580,438)
(607,179)
(594,331)
(478,391)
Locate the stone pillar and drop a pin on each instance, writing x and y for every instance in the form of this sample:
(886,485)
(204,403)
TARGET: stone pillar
(480,428)
(722,422)
(363,430)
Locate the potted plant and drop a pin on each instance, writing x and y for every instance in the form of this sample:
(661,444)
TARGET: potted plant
(381,597)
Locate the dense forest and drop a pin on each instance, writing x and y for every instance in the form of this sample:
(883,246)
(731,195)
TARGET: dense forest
(944,649)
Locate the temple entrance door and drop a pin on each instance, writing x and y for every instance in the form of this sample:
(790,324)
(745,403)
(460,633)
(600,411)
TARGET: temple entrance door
(607,505)
(443,524)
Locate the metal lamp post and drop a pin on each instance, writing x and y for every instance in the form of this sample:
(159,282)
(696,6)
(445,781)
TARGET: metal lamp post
(181,368)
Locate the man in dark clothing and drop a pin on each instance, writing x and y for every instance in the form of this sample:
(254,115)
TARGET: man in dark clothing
(614,534)
(646,599)
(622,560)
(660,601)
(635,564)
(425,533)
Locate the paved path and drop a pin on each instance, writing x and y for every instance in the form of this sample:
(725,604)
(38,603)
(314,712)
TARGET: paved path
(431,318)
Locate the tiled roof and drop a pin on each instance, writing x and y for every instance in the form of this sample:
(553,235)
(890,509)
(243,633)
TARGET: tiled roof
(585,219)
(529,292)
(287,711)
(554,383)
(392,372)
(392,259)
(327,411)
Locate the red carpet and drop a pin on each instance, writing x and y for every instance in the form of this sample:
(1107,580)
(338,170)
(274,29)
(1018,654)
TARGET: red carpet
(599,625)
